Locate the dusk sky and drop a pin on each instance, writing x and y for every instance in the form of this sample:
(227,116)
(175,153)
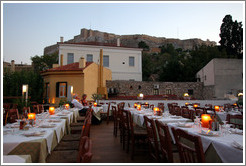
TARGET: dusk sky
(27,28)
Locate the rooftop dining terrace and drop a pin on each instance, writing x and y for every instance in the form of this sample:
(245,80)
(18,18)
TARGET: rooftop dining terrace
(126,131)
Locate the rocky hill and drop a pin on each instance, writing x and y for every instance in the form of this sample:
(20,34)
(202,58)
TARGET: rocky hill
(88,35)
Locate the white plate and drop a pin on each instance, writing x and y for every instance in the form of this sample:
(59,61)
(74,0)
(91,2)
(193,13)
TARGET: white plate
(185,125)
(215,134)
(237,145)
(48,125)
(175,117)
(156,117)
(54,120)
(33,134)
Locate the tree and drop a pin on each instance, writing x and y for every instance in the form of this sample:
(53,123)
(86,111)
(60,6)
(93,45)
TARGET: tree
(44,62)
(231,34)
(143,45)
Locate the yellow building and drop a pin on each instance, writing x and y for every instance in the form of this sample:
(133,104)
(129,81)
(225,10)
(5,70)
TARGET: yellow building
(81,78)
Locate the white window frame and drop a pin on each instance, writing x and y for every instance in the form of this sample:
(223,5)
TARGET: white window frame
(105,56)
(62,90)
(88,55)
(131,61)
(68,55)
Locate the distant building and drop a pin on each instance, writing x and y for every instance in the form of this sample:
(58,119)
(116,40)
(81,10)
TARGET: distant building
(79,77)
(16,67)
(224,76)
(124,62)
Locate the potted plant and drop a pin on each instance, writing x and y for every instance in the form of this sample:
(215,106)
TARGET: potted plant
(96,97)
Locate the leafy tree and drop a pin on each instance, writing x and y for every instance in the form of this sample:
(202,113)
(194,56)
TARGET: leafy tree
(44,62)
(13,81)
(143,45)
(231,34)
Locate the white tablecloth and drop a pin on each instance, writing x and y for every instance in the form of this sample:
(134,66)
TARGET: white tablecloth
(222,144)
(138,117)
(16,159)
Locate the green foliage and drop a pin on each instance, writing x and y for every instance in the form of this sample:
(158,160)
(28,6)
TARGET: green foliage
(21,103)
(143,45)
(179,65)
(64,101)
(13,81)
(96,96)
(44,62)
(231,34)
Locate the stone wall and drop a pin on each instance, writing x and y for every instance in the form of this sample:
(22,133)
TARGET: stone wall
(208,92)
(133,88)
(88,35)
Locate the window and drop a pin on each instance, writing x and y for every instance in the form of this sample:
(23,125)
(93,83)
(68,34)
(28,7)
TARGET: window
(70,58)
(61,89)
(168,91)
(89,58)
(190,91)
(105,60)
(131,61)
(156,91)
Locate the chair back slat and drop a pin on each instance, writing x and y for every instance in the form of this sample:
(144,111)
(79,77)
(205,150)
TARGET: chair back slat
(165,141)
(152,138)
(189,146)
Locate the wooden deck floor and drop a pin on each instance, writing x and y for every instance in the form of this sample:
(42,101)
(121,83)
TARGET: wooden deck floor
(108,149)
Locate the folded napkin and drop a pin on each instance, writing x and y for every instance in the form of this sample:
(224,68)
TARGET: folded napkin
(237,145)
(236,131)
(183,124)
(207,132)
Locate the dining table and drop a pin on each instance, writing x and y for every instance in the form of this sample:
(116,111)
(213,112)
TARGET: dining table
(138,116)
(17,159)
(225,145)
(38,139)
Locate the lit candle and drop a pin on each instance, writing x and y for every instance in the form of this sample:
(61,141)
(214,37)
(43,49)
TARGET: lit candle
(95,104)
(156,111)
(67,106)
(186,104)
(217,108)
(139,107)
(195,105)
(205,118)
(52,110)
(31,116)
(135,105)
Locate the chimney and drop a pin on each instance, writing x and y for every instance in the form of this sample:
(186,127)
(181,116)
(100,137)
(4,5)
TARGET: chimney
(13,65)
(61,39)
(118,42)
(61,60)
(82,62)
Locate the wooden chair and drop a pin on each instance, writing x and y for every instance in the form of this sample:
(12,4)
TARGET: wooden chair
(40,108)
(116,120)
(165,142)
(190,150)
(177,110)
(235,120)
(152,138)
(125,130)
(83,153)
(26,111)
(137,134)
(186,113)
(106,113)
(73,145)
(144,105)
(85,148)
(12,115)
(119,115)
(151,106)
(199,112)
(161,106)
(35,108)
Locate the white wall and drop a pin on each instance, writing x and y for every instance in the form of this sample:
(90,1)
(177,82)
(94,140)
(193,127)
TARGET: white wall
(206,74)
(118,59)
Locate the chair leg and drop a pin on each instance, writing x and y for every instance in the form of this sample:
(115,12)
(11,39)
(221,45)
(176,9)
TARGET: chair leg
(133,149)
